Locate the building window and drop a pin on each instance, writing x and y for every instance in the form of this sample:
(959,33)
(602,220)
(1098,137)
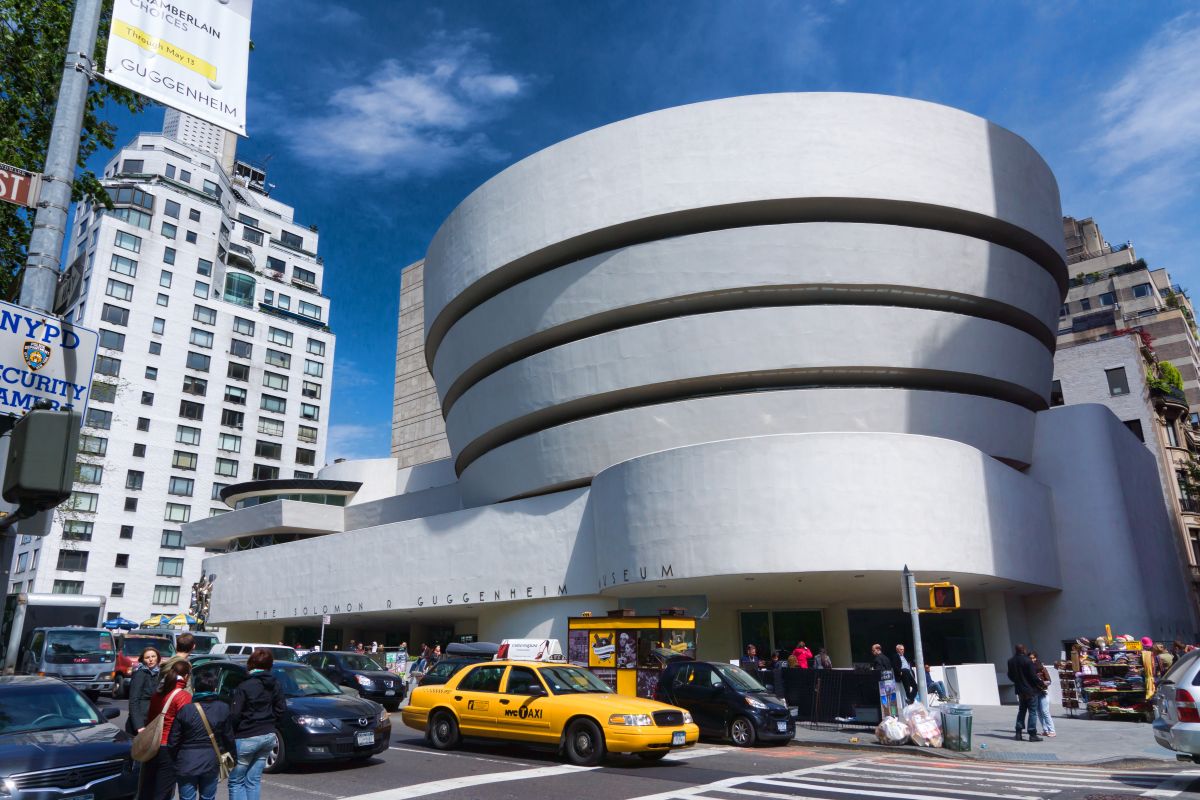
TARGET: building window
(230,443)
(276,405)
(271,427)
(181,486)
(235,395)
(172,540)
(117,590)
(22,564)
(171,209)
(280,337)
(239,289)
(77,531)
(201,338)
(185,176)
(1118,383)
(67,587)
(163,300)
(273,380)
(83,502)
(239,372)
(1172,435)
(291,240)
(158,326)
(187,435)
(89,473)
(316,347)
(200,289)
(151,373)
(308,411)
(216,490)
(198,361)
(204,267)
(301,474)
(190,410)
(268,450)
(170,567)
(208,187)
(168,256)
(278,359)
(72,560)
(1085,304)
(307,434)
(306,457)
(310,309)
(131,503)
(164,279)
(176,512)
(123,266)
(147,398)
(98,418)
(155,348)
(243,326)
(262,472)
(190,237)
(112,340)
(312,390)
(314,368)
(227,468)
(194,214)
(1108,299)
(139,451)
(127,241)
(232,419)
(118,289)
(166,596)
(114,315)
(104,392)
(240,349)
(252,236)
(126,531)
(205,316)
(107,365)
(194,385)
(304,276)
(134,479)
(182,459)
(93,445)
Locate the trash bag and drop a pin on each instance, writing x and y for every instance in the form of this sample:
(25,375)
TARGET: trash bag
(923,727)
(891,731)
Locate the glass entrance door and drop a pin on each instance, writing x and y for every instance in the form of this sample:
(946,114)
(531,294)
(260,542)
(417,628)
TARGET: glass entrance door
(782,630)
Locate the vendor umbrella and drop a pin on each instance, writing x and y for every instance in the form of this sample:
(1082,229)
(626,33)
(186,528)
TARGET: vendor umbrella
(182,619)
(157,621)
(120,623)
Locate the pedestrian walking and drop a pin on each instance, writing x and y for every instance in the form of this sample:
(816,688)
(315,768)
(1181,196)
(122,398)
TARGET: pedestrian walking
(802,654)
(141,688)
(1025,681)
(256,708)
(200,733)
(185,643)
(1043,700)
(880,662)
(157,778)
(903,671)
(822,660)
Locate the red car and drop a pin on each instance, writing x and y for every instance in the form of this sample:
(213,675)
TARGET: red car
(128,653)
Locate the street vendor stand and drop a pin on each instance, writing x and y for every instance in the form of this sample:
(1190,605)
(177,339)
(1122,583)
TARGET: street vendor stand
(628,652)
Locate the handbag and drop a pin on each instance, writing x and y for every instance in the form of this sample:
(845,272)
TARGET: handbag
(225,761)
(149,739)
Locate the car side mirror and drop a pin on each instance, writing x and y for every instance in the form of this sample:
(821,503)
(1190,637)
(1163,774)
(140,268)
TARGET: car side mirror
(110,713)
(536,691)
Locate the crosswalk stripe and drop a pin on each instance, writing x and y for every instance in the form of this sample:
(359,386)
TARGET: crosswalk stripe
(728,784)
(1175,785)
(973,793)
(993,776)
(451,784)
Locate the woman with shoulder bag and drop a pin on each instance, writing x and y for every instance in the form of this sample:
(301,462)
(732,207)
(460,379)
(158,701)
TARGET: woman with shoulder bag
(141,689)
(199,741)
(254,713)
(157,779)
(1043,698)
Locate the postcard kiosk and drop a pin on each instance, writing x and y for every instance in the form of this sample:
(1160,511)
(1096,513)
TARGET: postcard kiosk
(628,652)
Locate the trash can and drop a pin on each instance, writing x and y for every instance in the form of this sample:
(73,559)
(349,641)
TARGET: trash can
(956,727)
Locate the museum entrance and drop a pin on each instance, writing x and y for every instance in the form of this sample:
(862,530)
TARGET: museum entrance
(952,638)
(781,630)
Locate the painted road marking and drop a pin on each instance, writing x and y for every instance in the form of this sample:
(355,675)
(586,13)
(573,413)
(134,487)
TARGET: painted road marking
(1175,785)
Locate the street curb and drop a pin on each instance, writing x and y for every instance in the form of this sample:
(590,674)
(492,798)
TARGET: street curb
(1120,762)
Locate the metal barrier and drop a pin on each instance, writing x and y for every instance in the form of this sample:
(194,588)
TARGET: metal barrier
(828,699)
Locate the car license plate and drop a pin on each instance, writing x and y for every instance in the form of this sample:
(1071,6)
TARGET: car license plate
(781,727)
(678,738)
(389,693)
(364,739)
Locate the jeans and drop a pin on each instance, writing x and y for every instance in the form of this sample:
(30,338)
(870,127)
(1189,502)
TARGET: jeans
(1028,706)
(937,687)
(246,778)
(1043,712)
(201,787)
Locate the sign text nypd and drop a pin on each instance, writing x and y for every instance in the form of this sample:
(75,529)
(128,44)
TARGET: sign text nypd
(43,358)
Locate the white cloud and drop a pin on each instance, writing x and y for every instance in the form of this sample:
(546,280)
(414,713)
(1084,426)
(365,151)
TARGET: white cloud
(411,117)
(352,442)
(348,375)
(1151,117)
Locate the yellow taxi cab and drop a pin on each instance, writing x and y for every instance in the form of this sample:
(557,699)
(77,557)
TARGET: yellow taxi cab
(547,703)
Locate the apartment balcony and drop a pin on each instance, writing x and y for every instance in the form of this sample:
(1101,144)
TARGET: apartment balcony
(1170,402)
(1189,505)
(241,256)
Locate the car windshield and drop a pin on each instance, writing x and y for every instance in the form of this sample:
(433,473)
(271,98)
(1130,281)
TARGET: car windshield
(134,645)
(1181,663)
(281,653)
(78,647)
(738,678)
(44,707)
(204,642)
(573,680)
(298,680)
(356,661)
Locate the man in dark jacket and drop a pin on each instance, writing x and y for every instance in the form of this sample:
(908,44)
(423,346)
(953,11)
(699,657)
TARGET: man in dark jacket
(879,661)
(192,750)
(903,670)
(1025,681)
(257,707)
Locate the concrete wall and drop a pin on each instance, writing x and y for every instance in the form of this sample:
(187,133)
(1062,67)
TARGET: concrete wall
(418,434)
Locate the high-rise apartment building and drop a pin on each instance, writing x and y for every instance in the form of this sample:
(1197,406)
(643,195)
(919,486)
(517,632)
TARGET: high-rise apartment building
(214,369)
(418,430)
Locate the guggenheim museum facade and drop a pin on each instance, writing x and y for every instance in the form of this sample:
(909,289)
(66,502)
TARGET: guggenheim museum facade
(747,357)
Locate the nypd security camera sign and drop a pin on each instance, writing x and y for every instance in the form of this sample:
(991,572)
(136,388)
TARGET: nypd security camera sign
(44,358)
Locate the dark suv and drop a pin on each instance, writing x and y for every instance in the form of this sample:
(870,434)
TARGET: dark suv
(458,655)
(361,673)
(725,701)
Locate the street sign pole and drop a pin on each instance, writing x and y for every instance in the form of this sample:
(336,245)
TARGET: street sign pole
(914,611)
(50,223)
(324,622)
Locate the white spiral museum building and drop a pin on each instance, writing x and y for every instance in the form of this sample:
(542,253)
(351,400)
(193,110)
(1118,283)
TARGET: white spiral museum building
(750,356)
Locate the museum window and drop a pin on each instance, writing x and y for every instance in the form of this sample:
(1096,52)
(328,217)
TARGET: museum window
(1118,383)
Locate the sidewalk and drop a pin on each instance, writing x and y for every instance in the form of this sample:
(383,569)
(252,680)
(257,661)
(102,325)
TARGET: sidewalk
(1079,740)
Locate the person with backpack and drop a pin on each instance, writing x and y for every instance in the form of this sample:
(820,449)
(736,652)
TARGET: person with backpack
(157,778)
(198,738)
(255,710)
(141,688)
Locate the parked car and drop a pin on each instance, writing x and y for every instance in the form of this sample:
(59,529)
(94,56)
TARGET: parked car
(129,650)
(54,743)
(361,673)
(1177,708)
(322,724)
(550,704)
(725,701)
(279,652)
(83,657)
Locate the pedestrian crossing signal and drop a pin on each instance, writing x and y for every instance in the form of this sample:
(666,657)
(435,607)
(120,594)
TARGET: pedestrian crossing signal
(943,597)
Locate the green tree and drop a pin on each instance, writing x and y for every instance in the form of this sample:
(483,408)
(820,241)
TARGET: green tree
(1170,374)
(33,44)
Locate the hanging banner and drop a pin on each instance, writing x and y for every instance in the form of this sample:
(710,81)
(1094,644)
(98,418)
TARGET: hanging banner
(191,55)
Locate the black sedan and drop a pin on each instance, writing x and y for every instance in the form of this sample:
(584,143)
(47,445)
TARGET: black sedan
(725,701)
(322,724)
(55,743)
(361,673)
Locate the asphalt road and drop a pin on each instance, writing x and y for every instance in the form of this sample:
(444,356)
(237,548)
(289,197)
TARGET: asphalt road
(709,771)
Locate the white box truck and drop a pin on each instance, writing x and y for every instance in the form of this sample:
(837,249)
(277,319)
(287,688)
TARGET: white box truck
(25,612)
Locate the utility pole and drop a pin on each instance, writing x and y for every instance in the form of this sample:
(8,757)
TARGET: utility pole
(50,223)
(910,589)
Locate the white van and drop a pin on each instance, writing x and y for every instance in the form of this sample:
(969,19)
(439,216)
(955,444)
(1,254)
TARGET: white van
(278,651)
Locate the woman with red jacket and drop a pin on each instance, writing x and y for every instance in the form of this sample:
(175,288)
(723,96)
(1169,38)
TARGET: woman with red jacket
(157,779)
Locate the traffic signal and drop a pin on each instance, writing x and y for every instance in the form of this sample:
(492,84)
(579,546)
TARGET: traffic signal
(943,597)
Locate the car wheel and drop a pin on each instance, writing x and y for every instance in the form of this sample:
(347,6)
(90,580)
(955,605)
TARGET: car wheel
(585,743)
(653,755)
(443,731)
(277,758)
(741,731)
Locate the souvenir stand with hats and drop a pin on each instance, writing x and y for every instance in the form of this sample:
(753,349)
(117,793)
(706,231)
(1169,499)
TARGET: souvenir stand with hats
(1115,677)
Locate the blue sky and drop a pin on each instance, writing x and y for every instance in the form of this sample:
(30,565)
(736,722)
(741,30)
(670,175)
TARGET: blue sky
(379,116)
